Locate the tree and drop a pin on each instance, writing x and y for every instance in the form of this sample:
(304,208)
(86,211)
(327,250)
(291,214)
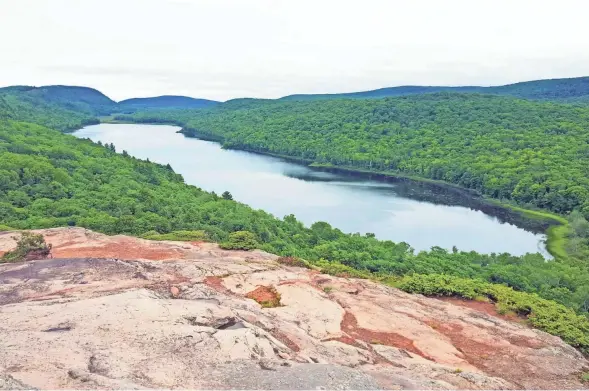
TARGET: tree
(227,196)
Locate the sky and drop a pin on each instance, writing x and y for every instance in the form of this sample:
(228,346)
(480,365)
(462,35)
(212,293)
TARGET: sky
(223,49)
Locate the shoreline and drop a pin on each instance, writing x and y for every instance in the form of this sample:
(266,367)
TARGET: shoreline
(554,227)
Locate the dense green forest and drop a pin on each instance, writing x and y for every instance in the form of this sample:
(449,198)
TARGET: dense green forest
(19,104)
(506,148)
(166,101)
(50,179)
(561,90)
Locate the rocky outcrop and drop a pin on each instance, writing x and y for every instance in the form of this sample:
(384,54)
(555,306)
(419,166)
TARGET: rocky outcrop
(120,312)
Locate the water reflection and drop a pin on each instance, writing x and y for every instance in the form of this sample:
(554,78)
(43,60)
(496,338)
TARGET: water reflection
(421,214)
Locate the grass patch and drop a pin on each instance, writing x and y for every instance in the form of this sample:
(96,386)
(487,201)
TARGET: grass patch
(556,240)
(556,234)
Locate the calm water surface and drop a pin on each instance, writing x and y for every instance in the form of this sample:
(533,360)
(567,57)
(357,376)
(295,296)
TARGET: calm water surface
(419,214)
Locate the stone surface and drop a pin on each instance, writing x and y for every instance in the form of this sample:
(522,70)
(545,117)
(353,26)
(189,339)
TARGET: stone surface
(119,312)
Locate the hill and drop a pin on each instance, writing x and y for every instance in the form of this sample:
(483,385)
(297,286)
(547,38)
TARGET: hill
(50,179)
(165,102)
(46,108)
(80,99)
(506,148)
(564,90)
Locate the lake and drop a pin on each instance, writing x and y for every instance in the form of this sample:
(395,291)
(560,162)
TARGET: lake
(421,214)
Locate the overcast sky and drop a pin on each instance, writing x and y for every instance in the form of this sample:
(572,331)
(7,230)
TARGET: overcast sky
(222,49)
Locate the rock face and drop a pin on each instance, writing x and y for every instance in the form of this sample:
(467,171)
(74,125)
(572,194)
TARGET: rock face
(120,312)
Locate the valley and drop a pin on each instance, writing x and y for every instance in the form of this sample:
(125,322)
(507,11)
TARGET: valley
(420,214)
(327,185)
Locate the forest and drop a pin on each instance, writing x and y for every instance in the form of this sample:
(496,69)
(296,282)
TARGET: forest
(508,149)
(50,179)
(571,90)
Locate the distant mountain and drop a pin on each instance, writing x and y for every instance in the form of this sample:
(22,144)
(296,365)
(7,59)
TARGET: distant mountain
(80,99)
(55,107)
(165,102)
(563,90)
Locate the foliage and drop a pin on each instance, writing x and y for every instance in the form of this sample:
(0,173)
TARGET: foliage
(502,147)
(240,240)
(227,196)
(28,246)
(543,314)
(568,90)
(337,269)
(188,236)
(167,102)
(48,179)
(294,261)
(19,103)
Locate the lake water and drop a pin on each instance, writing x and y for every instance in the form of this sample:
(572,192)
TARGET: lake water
(422,215)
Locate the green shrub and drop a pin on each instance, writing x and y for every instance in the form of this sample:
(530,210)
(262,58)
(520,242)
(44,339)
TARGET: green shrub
(339,270)
(546,315)
(186,236)
(29,246)
(240,240)
(293,261)
(5,228)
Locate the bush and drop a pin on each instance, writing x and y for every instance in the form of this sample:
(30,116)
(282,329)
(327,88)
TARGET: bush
(186,236)
(546,315)
(5,228)
(29,246)
(293,261)
(339,270)
(240,240)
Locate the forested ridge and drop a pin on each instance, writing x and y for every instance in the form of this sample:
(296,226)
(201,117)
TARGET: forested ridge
(559,90)
(50,179)
(506,148)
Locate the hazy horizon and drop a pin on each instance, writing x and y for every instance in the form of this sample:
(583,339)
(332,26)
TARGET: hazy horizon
(225,49)
(296,93)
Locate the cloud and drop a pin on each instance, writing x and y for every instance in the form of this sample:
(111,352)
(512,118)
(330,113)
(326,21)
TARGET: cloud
(222,49)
